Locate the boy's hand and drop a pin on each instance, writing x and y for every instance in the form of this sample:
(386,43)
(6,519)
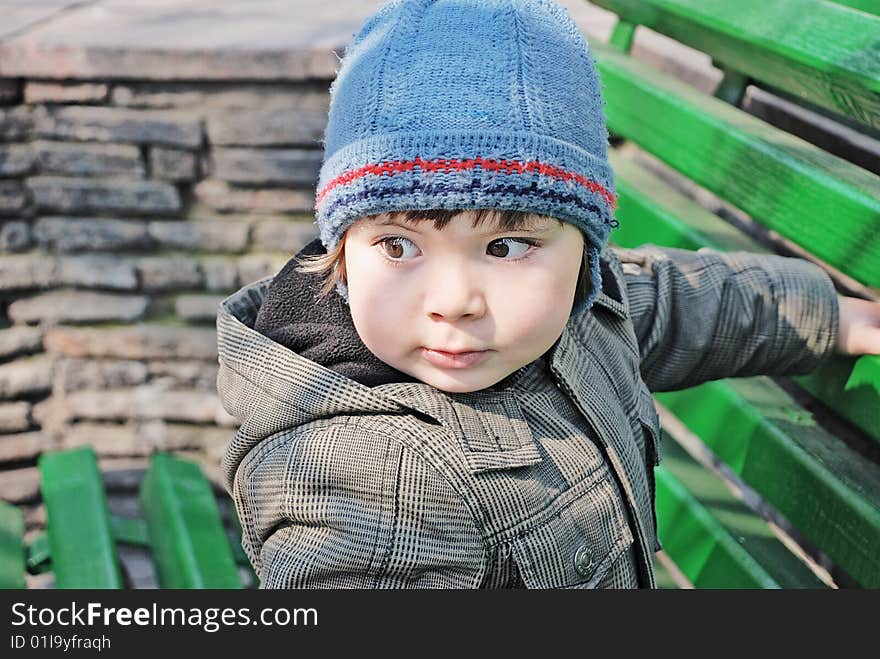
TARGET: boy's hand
(859,326)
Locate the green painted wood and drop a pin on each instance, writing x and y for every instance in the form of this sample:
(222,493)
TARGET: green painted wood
(829,492)
(78,521)
(851,388)
(39,555)
(667,223)
(819,51)
(715,539)
(130,531)
(780,180)
(190,547)
(650,211)
(869,6)
(622,36)
(12,548)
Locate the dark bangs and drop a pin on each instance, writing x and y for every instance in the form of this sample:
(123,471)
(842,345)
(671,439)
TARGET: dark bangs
(503,220)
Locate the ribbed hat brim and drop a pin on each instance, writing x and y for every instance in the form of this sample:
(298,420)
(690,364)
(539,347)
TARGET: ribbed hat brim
(466,170)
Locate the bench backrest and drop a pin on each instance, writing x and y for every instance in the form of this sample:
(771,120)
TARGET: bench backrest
(763,431)
(180,525)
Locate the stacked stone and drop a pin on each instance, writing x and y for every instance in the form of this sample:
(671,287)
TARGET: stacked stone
(128,210)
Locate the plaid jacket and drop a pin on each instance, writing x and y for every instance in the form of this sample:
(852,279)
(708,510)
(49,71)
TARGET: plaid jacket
(548,483)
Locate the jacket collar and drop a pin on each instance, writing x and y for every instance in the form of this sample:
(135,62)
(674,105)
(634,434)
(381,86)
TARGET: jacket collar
(319,329)
(610,295)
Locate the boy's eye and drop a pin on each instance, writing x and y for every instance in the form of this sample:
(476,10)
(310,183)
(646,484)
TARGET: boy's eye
(513,247)
(394,247)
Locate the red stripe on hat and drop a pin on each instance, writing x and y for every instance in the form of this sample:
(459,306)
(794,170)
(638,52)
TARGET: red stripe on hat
(451,165)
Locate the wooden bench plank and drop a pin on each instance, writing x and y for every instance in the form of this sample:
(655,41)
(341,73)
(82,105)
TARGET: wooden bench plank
(190,547)
(715,539)
(829,492)
(782,181)
(650,211)
(12,549)
(819,51)
(851,388)
(869,6)
(78,521)
(130,531)
(39,554)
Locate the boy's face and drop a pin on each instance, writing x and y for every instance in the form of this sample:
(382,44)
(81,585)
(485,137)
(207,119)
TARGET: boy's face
(417,293)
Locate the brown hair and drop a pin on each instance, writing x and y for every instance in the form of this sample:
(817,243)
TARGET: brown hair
(331,266)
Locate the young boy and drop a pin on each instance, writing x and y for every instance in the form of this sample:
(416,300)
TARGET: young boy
(451,386)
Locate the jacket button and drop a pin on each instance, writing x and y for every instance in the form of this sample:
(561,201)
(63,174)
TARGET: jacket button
(583,561)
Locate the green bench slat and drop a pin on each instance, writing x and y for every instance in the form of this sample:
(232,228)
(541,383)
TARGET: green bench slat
(650,211)
(78,521)
(782,181)
(869,6)
(130,531)
(851,388)
(190,547)
(819,51)
(829,492)
(715,539)
(39,555)
(12,549)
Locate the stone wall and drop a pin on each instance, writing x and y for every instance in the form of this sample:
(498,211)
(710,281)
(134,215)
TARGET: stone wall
(128,210)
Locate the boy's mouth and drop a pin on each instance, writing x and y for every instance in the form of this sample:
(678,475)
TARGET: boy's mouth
(445,359)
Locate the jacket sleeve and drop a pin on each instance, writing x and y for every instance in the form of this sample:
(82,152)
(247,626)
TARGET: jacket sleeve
(707,315)
(340,506)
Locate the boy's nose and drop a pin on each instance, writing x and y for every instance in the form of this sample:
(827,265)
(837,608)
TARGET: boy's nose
(454,293)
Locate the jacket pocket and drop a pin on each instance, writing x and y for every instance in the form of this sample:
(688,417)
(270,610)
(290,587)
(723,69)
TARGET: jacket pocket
(579,543)
(493,432)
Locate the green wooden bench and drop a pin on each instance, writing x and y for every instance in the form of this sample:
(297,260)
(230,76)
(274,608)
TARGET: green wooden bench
(826,55)
(180,526)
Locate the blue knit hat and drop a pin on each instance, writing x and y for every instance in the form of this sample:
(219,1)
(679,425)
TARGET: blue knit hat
(445,104)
